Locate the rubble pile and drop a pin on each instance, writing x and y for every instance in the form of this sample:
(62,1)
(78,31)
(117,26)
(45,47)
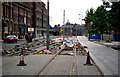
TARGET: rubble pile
(27,47)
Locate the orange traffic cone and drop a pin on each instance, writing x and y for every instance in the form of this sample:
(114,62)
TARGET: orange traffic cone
(21,63)
(88,60)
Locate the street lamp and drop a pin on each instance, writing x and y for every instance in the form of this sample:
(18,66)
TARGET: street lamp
(63,25)
(47,24)
(81,23)
(81,18)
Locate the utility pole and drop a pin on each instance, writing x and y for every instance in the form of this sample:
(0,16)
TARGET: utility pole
(63,25)
(47,24)
(0,20)
(1,27)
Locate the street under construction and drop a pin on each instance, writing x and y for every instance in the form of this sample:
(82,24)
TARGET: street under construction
(62,59)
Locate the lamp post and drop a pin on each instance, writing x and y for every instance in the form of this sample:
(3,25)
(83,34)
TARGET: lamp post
(63,25)
(76,30)
(47,24)
(1,27)
(81,18)
(1,21)
(81,23)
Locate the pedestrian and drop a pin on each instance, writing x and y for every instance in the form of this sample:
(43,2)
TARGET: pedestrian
(27,37)
(30,37)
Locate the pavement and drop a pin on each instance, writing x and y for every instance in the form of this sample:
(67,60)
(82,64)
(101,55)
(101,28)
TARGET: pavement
(61,65)
(67,65)
(113,44)
(34,64)
(106,58)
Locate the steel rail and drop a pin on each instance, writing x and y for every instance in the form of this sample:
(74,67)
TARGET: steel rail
(36,74)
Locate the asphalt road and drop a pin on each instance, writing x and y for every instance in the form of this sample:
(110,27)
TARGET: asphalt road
(9,45)
(12,44)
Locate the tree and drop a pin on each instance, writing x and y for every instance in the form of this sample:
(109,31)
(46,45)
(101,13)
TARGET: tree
(101,20)
(89,20)
(115,16)
(96,20)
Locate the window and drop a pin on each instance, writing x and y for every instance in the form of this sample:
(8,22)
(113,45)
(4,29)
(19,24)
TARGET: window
(25,12)
(16,19)
(10,27)
(6,27)
(7,11)
(2,9)
(11,12)
(16,9)
(14,28)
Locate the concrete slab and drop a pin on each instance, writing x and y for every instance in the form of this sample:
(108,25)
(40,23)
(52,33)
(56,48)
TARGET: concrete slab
(34,64)
(67,65)
(83,69)
(61,65)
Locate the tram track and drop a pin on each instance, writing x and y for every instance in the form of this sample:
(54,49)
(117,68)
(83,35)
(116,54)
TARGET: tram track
(36,75)
(74,65)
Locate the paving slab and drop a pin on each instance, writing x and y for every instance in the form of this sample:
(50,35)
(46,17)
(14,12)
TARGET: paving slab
(68,65)
(61,65)
(84,69)
(34,64)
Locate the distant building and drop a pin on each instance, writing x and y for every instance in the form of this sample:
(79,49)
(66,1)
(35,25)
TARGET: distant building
(56,30)
(72,29)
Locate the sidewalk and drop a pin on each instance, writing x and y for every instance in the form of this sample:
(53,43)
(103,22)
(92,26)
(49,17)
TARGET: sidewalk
(105,58)
(113,44)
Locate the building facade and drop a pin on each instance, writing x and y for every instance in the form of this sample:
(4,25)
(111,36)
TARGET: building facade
(22,18)
(40,18)
(7,18)
(18,17)
(72,29)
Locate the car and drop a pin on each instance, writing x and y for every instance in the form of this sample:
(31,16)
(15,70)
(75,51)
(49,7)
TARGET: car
(10,38)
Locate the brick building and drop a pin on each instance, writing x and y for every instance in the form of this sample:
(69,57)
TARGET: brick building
(7,18)
(39,18)
(16,18)
(22,18)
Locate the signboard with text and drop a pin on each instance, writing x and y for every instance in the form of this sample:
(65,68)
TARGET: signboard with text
(30,29)
(96,36)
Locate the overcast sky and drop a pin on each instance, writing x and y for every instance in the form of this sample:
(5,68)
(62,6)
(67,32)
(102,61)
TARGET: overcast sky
(72,9)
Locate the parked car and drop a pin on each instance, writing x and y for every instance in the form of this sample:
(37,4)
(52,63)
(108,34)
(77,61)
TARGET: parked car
(10,38)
